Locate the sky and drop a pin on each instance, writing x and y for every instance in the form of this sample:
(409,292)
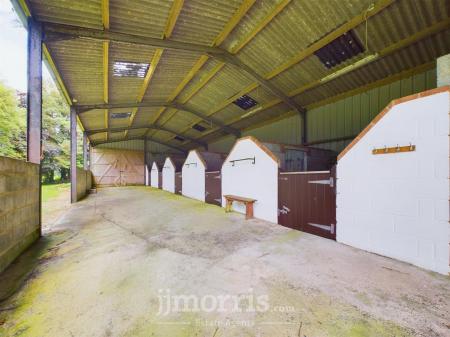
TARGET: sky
(13,55)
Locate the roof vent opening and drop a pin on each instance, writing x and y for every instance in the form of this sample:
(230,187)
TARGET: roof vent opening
(130,69)
(201,127)
(120,115)
(245,102)
(339,50)
(180,139)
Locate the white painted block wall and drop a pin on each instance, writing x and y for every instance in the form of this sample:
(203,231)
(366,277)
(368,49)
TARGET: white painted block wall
(168,176)
(258,181)
(154,176)
(397,205)
(193,172)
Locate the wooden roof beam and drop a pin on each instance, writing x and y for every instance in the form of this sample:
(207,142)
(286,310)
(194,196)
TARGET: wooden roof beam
(228,28)
(102,35)
(148,77)
(173,17)
(175,11)
(200,62)
(142,138)
(149,126)
(198,86)
(260,26)
(218,53)
(427,32)
(333,35)
(105,21)
(84,108)
(232,59)
(354,22)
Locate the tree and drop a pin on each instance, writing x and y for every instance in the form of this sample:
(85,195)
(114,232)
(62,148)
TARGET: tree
(12,125)
(55,131)
(56,135)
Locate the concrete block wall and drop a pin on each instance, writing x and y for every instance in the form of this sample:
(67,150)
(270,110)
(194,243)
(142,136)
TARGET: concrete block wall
(84,182)
(397,204)
(19,208)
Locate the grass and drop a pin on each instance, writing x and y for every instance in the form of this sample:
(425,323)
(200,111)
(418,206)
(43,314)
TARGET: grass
(53,191)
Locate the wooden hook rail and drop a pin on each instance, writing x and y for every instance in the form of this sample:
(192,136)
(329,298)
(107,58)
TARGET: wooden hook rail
(394,149)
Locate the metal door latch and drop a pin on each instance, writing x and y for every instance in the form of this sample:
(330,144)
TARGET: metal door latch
(323,182)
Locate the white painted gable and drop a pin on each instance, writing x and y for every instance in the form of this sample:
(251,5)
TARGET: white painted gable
(397,204)
(193,173)
(168,176)
(258,179)
(154,175)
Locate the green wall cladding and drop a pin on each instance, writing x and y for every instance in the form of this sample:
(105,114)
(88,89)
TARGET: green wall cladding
(346,117)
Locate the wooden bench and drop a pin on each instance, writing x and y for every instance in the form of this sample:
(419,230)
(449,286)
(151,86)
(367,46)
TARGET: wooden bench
(247,201)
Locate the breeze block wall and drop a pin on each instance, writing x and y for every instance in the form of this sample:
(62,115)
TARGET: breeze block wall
(397,204)
(19,208)
(84,182)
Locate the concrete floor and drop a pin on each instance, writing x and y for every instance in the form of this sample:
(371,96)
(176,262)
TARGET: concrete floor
(104,267)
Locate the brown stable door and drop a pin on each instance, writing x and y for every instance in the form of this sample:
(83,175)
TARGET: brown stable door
(213,188)
(178,182)
(307,202)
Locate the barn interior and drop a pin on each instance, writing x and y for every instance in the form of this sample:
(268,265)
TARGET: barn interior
(149,80)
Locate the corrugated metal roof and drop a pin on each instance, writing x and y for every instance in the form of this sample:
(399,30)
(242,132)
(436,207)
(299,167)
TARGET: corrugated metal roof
(126,89)
(200,21)
(80,62)
(172,68)
(269,34)
(86,13)
(139,17)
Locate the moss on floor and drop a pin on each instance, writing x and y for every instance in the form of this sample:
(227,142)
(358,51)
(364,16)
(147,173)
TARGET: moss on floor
(105,280)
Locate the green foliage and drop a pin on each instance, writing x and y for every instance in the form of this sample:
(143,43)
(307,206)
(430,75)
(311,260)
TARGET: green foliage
(55,135)
(55,132)
(12,125)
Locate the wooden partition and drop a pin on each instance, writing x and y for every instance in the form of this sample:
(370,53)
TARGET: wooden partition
(178,182)
(112,167)
(213,188)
